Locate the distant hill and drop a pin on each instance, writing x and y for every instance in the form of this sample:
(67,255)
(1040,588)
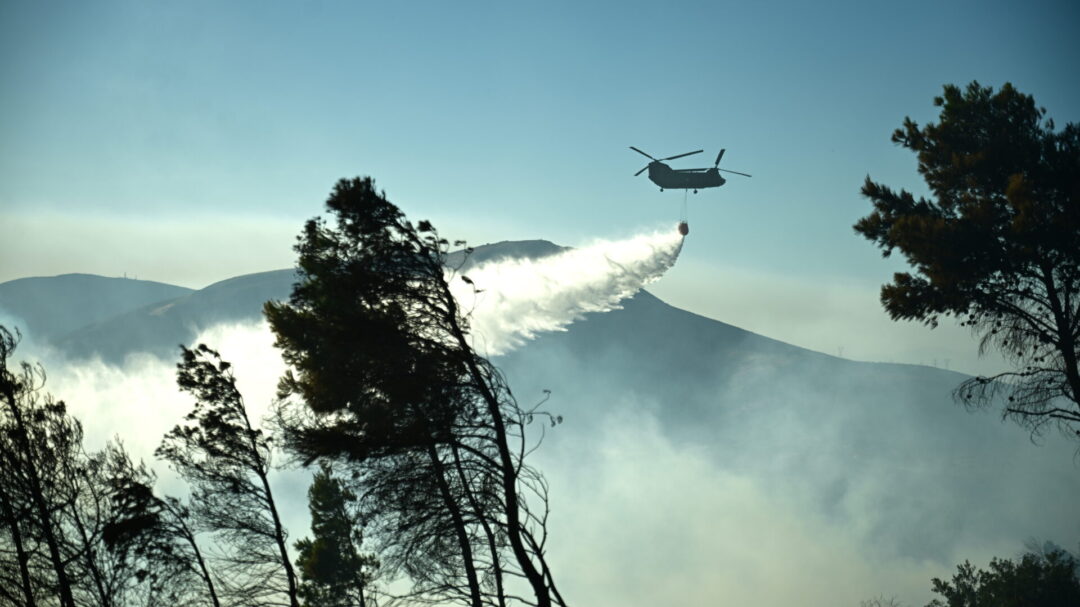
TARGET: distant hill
(821,430)
(837,437)
(520,249)
(160,327)
(50,307)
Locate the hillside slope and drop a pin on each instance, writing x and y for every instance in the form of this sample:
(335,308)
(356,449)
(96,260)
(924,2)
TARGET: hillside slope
(840,438)
(160,327)
(878,447)
(50,307)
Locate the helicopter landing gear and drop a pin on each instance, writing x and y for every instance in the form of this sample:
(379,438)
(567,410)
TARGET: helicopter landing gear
(661,189)
(695,191)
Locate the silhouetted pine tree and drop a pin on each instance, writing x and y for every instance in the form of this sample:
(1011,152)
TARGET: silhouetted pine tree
(1036,579)
(67,514)
(227,462)
(996,246)
(333,570)
(381,360)
(37,437)
(156,532)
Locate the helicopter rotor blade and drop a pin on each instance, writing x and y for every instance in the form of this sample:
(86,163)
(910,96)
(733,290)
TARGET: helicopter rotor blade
(718,157)
(681,155)
(736,172)
(642,153)
(641,171)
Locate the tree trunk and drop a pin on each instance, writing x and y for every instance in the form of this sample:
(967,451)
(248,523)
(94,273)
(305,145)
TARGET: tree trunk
(279,537)
(89,553)
(204,572)
(279,531)
(8,511)
(459,526)
(37,496)
(508,472)
(496,565)
(189,537)
(1066,343)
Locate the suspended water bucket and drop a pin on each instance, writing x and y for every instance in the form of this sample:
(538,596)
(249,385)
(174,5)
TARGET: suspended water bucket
(684,228)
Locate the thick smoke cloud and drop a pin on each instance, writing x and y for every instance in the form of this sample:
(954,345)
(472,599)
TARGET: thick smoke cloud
(514,300)
(641,520)
(139,401)
(638,518)
(777,510)
(773,508)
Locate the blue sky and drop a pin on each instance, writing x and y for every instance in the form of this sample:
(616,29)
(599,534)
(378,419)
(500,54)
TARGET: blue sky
(138,135)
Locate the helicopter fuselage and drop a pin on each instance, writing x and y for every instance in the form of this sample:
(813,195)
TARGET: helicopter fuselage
(684,179)
(671,179)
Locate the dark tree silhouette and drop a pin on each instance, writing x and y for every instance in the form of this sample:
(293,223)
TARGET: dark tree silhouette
(62,507)
(1051,579)
(156,531)
(383,364)
(176,544)
(103,574)
(227,462)
(16,584)
(37,437)
(997,246)
(333,570)
(120,536)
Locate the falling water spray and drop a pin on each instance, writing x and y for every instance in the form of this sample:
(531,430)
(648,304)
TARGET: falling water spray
(511,301)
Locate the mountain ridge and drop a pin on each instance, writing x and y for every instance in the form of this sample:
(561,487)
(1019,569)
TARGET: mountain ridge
(52,306)
(826,433)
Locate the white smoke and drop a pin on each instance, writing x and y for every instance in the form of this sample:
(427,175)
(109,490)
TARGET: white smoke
(715,531)
(140,400)
(514,300)
(517,299)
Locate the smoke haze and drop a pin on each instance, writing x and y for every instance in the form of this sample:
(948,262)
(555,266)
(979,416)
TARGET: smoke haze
(641,517)
(770,487)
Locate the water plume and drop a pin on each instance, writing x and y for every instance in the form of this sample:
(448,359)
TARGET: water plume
(513,300)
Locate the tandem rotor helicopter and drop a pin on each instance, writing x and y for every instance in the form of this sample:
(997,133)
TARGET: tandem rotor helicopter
(686,179)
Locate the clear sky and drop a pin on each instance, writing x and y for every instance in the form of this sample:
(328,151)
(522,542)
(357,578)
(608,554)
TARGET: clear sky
(186,142)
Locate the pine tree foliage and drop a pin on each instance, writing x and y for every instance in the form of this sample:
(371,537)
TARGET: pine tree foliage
(997,245)
(333,570)
(78,528)
(156,531)
(38,438)
(227,462)
(1050,579)
(388,382)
